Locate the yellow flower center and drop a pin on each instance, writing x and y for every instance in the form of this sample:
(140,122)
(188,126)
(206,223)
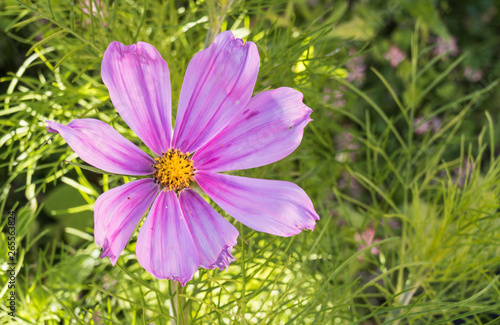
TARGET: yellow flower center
(174,170)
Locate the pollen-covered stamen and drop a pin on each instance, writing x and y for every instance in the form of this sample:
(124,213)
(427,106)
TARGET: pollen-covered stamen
(174,170)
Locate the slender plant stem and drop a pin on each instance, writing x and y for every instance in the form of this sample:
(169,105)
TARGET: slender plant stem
(216,14)
(180,309)
(243,275)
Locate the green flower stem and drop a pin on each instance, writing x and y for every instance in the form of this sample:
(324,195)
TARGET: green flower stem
(216,14)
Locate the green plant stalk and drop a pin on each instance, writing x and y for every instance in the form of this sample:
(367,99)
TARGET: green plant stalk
(216,15)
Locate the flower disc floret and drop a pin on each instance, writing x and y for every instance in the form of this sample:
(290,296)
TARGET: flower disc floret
(174,170)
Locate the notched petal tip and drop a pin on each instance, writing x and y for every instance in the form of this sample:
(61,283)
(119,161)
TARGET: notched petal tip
(225,258)
(145,52)
(181,281)
(228,36)
(309,227)
(120,49)
(49,127)
(107,252)
(112,258)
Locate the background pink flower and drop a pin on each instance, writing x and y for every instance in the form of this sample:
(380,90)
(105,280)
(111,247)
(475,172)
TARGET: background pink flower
(357,68)
(473,75)
(95,3)
(395,56)
(365,239)
(448,47)
(423,126)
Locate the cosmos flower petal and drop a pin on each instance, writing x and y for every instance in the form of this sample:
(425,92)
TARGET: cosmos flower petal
(101,146)
(118,211)
(219,82)
(165,247)
(275,207)
(214,236)
(269,128)
(138,81)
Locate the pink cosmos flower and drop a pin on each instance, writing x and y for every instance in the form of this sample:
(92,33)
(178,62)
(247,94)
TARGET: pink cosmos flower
(225,128)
